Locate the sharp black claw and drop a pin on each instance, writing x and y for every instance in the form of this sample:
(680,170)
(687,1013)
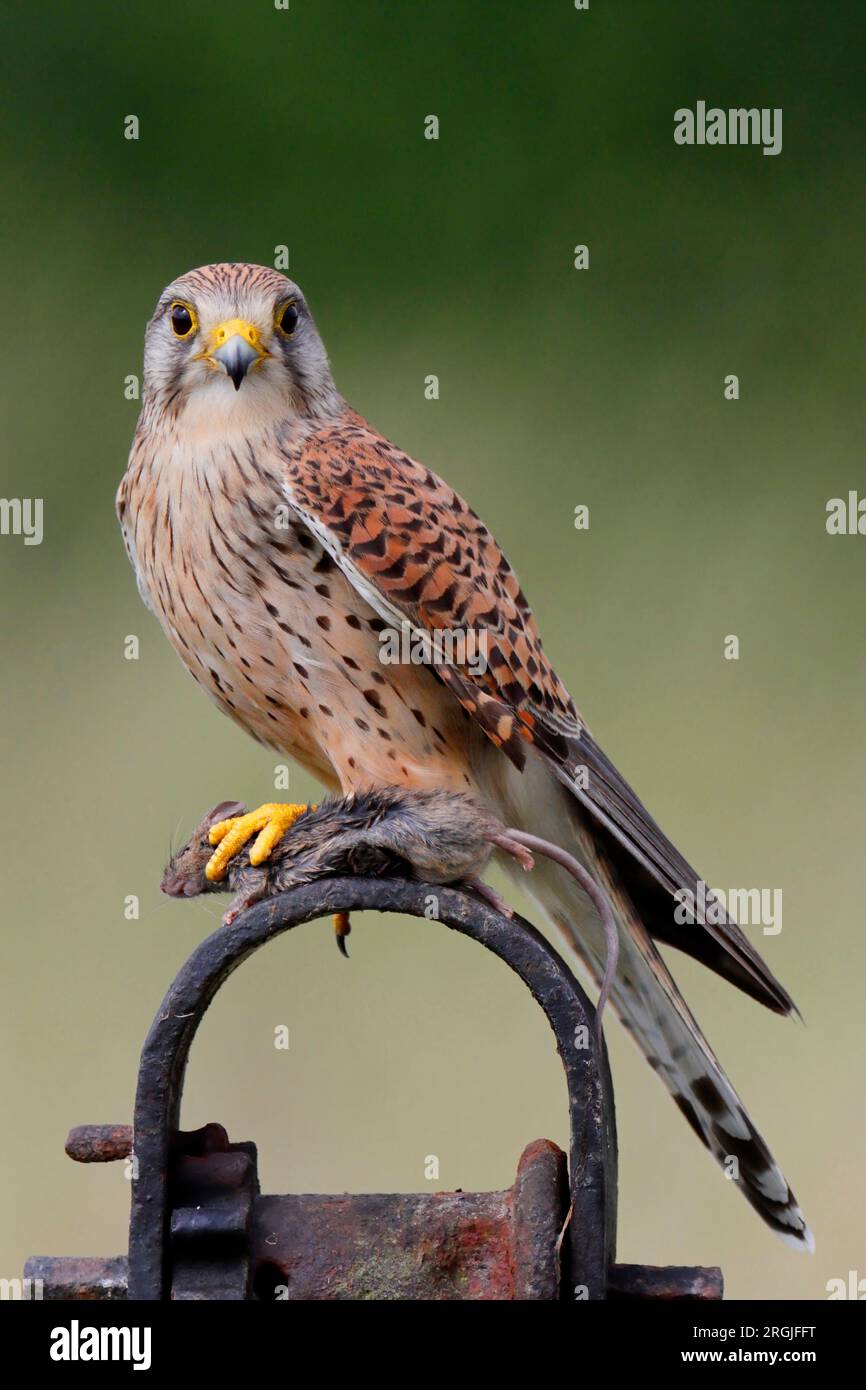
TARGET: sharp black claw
(342,927)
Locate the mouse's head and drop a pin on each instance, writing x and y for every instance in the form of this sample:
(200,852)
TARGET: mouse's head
(184,876)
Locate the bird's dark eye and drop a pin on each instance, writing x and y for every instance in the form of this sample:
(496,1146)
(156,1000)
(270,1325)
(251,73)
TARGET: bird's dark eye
(288,320)
(182,321)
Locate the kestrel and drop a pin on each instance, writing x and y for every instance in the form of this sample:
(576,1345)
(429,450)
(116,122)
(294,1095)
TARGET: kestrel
(279,538)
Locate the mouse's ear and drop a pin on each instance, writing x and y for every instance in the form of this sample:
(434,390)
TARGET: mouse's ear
(223,811)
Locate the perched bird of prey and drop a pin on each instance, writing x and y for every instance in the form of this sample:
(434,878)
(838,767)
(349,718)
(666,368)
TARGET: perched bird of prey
(277,536)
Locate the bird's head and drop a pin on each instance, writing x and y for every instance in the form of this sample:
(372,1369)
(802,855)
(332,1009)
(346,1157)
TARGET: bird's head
(236,342)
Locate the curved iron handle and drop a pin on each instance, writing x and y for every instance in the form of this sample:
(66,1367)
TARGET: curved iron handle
(588,1241)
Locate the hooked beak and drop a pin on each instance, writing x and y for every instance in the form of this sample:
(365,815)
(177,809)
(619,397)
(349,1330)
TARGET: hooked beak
(236,346)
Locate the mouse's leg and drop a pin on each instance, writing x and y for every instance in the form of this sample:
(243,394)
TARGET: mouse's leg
(515,849)
(250,887)
(489,895)
(268,822)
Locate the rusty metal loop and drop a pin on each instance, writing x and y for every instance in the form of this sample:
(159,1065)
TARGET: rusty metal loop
(588,1240)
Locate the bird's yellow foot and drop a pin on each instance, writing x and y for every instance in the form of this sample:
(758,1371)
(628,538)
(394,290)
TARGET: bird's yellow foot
(269,823)
(342,927)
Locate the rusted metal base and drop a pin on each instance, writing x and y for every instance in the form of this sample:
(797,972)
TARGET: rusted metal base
(200,1229)
(79,1277)
(229,1243)
(430,1246)
(670,1283)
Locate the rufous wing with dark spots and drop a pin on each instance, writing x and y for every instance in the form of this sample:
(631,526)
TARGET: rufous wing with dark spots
(420,555)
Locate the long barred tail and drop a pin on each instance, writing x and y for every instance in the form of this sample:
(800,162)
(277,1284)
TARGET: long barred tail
(651,1008)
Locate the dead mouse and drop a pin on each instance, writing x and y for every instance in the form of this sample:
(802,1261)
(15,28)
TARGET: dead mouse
(429,836)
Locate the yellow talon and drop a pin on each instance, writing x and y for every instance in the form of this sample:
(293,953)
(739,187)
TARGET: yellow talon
(270,822)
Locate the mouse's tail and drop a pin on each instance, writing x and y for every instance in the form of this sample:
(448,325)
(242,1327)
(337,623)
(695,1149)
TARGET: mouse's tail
(511,841)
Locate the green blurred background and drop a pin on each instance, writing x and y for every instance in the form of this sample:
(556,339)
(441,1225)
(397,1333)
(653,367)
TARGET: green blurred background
(558,387)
